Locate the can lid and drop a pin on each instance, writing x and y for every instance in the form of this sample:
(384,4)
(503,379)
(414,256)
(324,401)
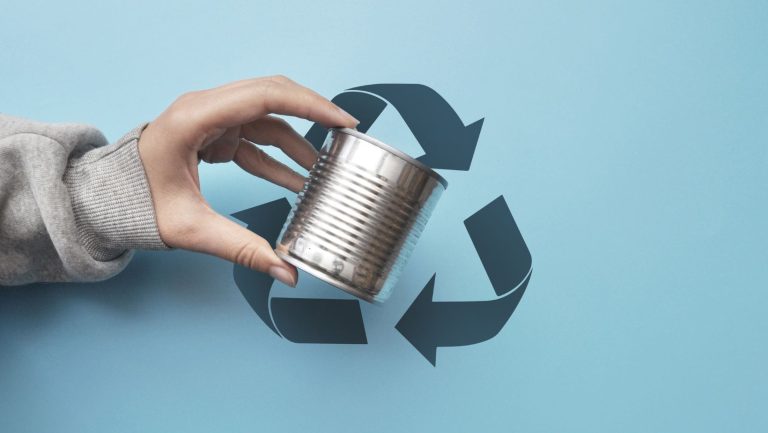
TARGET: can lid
(397,152)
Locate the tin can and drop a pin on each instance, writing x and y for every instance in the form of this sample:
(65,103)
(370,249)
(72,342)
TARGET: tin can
(362,209)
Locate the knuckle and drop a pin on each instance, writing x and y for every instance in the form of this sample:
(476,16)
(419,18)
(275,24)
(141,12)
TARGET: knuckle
(185,98)
(280,78)
(223,154)
(257,162)
(259,156)
(211,156)
(267,162)
(185,111)
(268,87)
(249,254)
(180,108)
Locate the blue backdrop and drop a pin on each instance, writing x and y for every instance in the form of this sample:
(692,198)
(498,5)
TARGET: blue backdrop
(630,141)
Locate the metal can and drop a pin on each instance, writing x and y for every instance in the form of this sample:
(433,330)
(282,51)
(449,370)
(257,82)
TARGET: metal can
(362,209)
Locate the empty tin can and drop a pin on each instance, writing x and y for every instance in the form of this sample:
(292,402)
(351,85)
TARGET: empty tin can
(356,222)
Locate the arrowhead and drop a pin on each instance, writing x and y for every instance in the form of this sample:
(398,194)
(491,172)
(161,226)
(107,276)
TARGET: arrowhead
(459,156)
(265,215)
(417,325)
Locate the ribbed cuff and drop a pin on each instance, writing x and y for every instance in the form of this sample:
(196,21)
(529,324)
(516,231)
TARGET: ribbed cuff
(111,200)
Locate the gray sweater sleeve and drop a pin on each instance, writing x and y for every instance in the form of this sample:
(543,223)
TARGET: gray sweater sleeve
(72,207)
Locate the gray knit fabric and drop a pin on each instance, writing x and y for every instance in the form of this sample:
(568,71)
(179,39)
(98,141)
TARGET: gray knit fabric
(111,201)
(72,207)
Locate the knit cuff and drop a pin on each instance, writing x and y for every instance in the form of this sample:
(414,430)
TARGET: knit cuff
(111,199)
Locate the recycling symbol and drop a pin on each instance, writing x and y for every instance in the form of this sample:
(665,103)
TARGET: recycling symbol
(427,324)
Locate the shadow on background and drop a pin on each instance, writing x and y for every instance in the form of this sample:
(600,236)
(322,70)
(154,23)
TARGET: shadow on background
(151,280)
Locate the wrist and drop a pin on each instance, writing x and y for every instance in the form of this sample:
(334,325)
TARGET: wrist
(111,200)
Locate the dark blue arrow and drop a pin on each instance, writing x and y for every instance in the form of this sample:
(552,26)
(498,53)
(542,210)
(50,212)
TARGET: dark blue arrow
(266,221)
(447,143)
(299,320)
(428,325)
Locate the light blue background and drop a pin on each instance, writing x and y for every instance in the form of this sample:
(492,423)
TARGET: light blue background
(630,141)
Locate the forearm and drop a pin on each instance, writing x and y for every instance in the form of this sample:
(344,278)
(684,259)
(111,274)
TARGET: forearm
(72,208)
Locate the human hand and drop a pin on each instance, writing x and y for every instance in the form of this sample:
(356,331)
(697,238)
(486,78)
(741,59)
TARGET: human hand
(221,125)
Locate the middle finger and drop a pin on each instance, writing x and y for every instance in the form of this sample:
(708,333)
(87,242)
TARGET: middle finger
(274,131)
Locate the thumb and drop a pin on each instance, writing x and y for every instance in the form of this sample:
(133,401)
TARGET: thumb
(222,237)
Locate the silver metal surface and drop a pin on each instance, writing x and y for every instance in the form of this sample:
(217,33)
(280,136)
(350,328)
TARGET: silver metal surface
(356,222)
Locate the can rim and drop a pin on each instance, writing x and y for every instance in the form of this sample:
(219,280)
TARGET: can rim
(322,275)
(397,152)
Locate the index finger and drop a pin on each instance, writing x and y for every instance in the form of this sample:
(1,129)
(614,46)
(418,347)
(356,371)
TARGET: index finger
(244,102)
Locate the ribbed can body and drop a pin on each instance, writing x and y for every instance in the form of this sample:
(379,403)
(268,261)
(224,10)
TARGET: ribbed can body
(360,213)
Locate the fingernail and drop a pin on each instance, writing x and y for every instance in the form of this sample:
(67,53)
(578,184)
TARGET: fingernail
(281,274)
(345,113)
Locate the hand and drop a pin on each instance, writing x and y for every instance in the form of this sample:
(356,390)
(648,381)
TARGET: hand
(221,125)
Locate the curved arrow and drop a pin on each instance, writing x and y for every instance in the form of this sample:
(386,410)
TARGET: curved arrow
(428,325)
(447,143)
(299,320)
